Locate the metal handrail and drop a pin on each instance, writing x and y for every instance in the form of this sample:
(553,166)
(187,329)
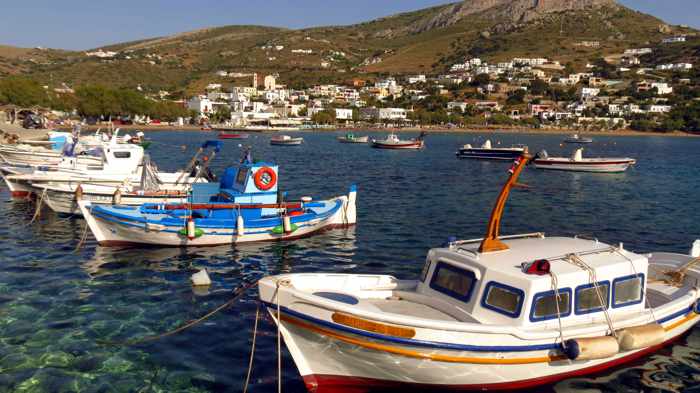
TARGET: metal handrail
(522,236)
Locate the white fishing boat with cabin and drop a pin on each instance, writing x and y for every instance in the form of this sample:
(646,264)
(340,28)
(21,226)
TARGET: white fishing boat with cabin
(497,313)
(577,163)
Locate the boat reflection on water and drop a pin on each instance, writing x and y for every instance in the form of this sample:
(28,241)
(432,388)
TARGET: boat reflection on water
(249,261)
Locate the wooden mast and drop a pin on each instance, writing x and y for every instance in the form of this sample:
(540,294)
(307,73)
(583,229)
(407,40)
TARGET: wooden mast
(491,243)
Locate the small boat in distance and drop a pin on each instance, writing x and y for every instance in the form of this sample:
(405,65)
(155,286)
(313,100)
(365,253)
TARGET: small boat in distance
(576,138)
(352,138)
(233,135)
(579,164)
(286,140)
(487,152)
(497,313)
(392,141)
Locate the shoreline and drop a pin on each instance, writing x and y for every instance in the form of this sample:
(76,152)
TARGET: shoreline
(430,129)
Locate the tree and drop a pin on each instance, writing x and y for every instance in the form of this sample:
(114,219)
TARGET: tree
(516,97)
(324,117)
(222,114)
(538,87)
(22,91)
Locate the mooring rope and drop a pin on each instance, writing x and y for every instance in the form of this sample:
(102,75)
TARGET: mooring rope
(237,295)
(39,204)
(252,350)
(578,261)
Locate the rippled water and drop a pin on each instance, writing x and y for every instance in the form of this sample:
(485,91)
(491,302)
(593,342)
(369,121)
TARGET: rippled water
(60,308)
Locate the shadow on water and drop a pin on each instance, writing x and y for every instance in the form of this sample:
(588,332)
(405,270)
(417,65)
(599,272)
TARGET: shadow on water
(57,304)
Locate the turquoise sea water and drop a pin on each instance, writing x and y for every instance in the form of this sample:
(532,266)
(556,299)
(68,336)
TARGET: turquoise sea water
(59,306)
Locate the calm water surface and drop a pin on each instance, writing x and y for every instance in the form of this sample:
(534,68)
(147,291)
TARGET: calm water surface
(58,306)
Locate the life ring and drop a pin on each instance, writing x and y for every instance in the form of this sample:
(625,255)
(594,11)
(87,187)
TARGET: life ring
(265,178)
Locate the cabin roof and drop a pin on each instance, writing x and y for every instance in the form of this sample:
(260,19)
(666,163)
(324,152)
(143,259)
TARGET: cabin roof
(596,254)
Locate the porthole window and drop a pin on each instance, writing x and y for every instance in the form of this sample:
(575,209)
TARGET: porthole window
(628,290)
(544,305)
(503,299)
(587,300)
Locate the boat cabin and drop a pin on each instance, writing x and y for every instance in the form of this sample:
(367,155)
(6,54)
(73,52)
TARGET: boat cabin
(249,183)
(116,158)
(514,287)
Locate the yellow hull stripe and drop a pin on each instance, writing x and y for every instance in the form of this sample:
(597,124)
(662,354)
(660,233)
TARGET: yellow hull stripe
(416,354)
(439,357)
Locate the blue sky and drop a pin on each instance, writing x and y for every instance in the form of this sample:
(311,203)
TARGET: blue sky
(83,24)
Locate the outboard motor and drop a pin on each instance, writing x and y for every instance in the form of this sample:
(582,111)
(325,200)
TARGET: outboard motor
(542,155)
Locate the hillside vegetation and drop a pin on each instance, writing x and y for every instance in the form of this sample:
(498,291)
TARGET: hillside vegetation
(424,41)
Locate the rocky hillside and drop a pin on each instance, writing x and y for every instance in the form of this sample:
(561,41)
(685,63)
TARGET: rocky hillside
(426,41)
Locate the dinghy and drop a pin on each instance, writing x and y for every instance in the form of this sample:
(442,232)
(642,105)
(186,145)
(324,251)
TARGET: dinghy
(487,152)
(352,138)
(243,207)
(497,313)
(392,141)
(579,164)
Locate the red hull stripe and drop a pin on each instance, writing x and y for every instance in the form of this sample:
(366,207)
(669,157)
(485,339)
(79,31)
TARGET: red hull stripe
(336,383)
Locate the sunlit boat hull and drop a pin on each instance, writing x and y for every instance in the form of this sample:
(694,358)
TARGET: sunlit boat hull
(586,165)
(501,154)
(336,356)
(412,145)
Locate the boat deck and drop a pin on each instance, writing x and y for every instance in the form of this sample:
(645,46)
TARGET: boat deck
(413,309)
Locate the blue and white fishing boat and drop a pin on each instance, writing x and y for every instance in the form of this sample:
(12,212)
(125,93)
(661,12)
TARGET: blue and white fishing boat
(487,152)
(245,206)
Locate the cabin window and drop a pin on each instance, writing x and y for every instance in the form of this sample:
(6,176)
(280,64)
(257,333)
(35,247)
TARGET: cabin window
(424,273)
(453,281)
(628,290)
(242,175)
(544,306)
(587,300)
(503,299)
(122,154)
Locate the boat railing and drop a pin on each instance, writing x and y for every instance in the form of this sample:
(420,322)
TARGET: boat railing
(585,236)
(521,236)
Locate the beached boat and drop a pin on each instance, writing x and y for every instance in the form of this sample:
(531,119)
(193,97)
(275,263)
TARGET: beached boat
(243,207)
(487,152)
(352,138)
(392,141)
(576,138)
(497,313)
(286,140)
(579,164)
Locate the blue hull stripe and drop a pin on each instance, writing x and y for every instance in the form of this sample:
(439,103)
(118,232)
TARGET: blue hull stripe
(433,344)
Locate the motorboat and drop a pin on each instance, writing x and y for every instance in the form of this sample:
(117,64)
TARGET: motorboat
(579,164)
(245,206)
(576,138)
(63,197)
(352,138)
(487,152)
(120,164)
(496,313)
(286,140)
(392,141)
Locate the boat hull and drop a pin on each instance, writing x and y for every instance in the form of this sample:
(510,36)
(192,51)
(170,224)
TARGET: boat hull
(65,202)
(413,145)
(584,166)
(233,136)
(110,230)
(331,358)
(490,154)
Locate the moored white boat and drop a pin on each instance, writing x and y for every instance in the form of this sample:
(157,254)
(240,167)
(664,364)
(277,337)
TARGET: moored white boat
(286,140)
(392,141)
(497,313)
(576,138)
(352,138)
(488,152)
(577,163)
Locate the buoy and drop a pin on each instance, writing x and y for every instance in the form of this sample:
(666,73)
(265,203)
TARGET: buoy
(591,348)
(287,223)
(306,199)
(191,229)
(201,279)
(79,193)
(117,196)
(279,229)
(640,336)
(240,226)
